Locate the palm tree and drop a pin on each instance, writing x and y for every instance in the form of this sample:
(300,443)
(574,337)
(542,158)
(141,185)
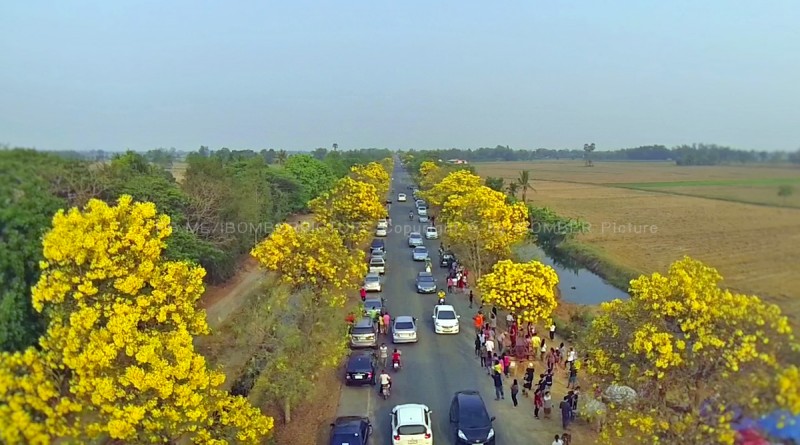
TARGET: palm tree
(524,183)
(512,189)
(335,146)
(588,148)
(281,157)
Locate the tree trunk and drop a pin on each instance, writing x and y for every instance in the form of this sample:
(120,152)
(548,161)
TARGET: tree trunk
(524,195)
(287,411)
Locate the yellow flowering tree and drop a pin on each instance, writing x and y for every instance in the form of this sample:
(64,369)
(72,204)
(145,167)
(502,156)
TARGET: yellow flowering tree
(373,173)
(118,351)
(527,290)
(482,226)
(456,184)
(312,257)
(352,207)
(693,351)
(430,174)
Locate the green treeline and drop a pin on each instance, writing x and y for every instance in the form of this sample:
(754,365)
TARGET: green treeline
(225,203)
(695,154)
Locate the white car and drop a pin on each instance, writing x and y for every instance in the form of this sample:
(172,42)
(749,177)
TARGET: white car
(422,211)
(445,319)
(383,223)
(411,425)
(420,253)
(401,197)
(381,231)
(377,265)
(431,233)
(372,282)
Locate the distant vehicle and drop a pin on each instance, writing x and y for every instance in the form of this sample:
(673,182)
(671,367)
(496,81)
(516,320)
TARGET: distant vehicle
(404,329)
(446,259)
(377,265)
(372,282)
(378,243)
(381,231)
(420,253)
(415,239)
(423,218)
(420,203)
(469,419)
(377,253)
(360,369)
(426,283)
(431,233)
(411,425)
(352,430)
(401,197)
(383,223)
(373,303)
(364,334)
(445,319)
(422,211)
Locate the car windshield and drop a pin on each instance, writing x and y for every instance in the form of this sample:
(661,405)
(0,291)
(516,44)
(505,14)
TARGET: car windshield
(376,261)
(404,325)
(415,235)
(420,250)
(474,417)
(411,430)
(425,279)
(447,315)
(372,305)
(345,438)
(373,279)
(362,331)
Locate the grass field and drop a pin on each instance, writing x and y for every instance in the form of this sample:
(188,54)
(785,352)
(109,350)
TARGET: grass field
(644,227)
(178,170)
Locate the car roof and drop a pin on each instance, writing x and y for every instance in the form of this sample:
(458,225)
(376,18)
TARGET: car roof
(377,242)
(350,420)
(410,414)
(413,234)
(363,323)
(360,359)
(372,276)
(420,248)
(404,318)
(470,399)
(369,301)
(424,274)
(445,307)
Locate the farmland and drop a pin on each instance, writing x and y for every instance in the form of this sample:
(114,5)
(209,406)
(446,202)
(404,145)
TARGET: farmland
(643,216)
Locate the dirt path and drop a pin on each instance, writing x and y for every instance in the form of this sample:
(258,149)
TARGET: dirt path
(221,301)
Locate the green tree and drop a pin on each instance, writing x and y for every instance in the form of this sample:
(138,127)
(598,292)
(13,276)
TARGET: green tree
(316,176)
(497,184)
(281,157)
(512,188)
(588,149)
(785,191)
(524,182)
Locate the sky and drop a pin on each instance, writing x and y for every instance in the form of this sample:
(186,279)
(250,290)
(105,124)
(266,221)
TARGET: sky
(300,74)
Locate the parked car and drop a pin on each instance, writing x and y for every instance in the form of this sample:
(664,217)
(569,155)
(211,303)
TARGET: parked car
(420,253)
(381,231)
(372,282)
(378,243)
(401,197)
(422,211)
(426,283)
(377,253)
(431,233)
(373,303)
(364,334)
(415,239)
(404,329)
(383,223)
(377,265)
(360,369)
(469,419)
(446,259)
(420,203)
(423,218)
(352,430)
(411,424)
(445,319)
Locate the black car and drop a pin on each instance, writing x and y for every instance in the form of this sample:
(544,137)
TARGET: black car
(446,259)
(378,243)
(351,430)
(426,283)
(470,420)
(360,370)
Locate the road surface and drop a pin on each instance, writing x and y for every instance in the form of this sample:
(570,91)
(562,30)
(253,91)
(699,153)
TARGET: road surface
(438,365)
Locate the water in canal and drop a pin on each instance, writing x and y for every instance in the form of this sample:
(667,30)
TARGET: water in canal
(578,285)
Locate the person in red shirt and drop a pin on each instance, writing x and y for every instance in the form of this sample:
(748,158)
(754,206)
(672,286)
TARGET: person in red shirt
(363,294)
(351,318)
(396,357)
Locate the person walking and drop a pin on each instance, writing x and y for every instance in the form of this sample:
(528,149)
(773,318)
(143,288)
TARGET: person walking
(547,404)
(552,330)
(536,344)
(363,293)
(574,402)
(498,386)
(527,384)
(489,343)
(506,364)
(573,376)
(383,355)
(478,343)
(538,402)
(514,392)
(381,326)
(471,298)
(557,441)
(570,358)
(566,412)
(478,319)
(387,321)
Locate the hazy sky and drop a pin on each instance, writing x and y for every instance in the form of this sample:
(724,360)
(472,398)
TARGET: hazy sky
(300,74)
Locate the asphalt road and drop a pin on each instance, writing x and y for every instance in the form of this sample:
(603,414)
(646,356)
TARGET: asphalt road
(436,366)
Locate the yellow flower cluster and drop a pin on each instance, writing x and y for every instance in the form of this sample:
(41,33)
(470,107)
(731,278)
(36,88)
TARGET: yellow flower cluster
(350,206)
(119,345)
(313,257)
(373,173)
(527,290)
(682,337)
(429,174)
(457,184)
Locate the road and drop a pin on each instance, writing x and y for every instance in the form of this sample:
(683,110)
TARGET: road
(438,365)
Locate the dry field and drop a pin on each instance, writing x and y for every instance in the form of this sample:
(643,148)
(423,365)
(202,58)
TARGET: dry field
(755,247)
(178,170)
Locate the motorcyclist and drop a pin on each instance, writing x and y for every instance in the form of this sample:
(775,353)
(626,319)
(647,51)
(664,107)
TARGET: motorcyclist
(411,215)
(383,354)
(385,381)
(441,298)
(396,358)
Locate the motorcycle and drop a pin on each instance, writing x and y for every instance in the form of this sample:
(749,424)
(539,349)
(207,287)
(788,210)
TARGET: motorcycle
(396,365)
(385,391)
(441,301)
(411,216)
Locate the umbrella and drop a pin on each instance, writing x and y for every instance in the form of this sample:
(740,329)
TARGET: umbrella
(781,425)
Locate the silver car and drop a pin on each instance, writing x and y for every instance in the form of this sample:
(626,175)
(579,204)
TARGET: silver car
(420,253)
(415,239)
(423,218)
(363,334)
(372,283)
(377,265)
(404,329)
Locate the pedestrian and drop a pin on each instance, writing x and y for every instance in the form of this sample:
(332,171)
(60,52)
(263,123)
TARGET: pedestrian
(387,320)
(471,298)
(489,352)
(506,364)
(492,321)
(538,402)
(566,412)
(478,319)
(527,384)
(574,402)
(573,376)
(381,326)
(483,354)
(557,441)
(494,310)
(548,381)
(514,391)
(433,220)
(552,330)
(570,357)
(450,285)
(478,344)
(498,386)
(547,404)
(363,293)
(536,344)
(383,354)
(542,351)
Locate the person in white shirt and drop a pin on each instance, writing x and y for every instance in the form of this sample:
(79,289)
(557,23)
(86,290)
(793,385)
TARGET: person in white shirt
(557,441)
(385,381)
(552,331)
(570,357)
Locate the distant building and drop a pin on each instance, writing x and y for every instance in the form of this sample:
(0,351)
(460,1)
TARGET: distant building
(457,161)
